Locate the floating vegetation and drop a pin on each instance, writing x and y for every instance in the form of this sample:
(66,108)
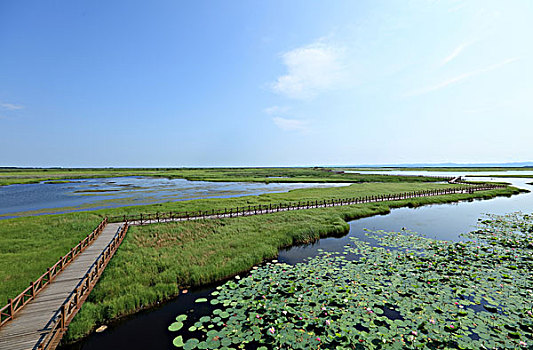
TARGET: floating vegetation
(407,292)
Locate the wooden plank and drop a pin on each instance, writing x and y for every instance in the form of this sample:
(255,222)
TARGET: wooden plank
(29,324)
(34,320)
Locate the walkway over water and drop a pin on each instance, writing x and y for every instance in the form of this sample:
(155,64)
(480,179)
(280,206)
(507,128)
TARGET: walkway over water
(154,218)
(34,322)
(41,322)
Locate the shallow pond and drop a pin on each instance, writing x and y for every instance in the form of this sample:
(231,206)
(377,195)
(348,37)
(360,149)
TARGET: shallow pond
(148,329)
(90,194)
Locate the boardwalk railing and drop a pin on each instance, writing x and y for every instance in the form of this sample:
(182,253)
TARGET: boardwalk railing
(150,218)
(62,318)
(57,326)
(16,304)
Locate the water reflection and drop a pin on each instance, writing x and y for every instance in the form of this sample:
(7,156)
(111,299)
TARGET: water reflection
(440,221)
(443,221)
(90,194)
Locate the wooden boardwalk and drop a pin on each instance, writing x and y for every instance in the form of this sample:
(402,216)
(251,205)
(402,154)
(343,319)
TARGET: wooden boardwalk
(41,322)
(33,322)
(148,219)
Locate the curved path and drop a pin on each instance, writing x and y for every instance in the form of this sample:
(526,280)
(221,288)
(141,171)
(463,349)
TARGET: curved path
(39,318)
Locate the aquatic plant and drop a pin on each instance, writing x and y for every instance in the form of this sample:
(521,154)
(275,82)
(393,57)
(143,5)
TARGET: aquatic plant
(154,261)
(407,291)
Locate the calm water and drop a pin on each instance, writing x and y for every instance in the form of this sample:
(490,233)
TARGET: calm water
(148,329)
(441,221)
(442,173)
(90,194)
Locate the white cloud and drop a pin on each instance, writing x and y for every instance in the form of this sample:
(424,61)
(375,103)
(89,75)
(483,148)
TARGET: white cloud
(10,106)
(277,110)
(455,53)
(461,77)
(286,124)
(310,70)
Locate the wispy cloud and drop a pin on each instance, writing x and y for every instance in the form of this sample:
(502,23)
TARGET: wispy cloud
(10,106)
(461,77)
(286,124)
(277,110)
(310,70)
(455,53)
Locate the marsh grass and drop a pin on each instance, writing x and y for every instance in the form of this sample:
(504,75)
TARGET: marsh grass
(155,261)
(445,295)
(28,246)
(24,176)
(303,195)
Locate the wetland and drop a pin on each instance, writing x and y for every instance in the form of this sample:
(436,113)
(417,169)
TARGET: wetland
(448,222)
(220,249)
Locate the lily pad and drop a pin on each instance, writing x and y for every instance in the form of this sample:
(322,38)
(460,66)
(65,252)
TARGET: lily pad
(175,326)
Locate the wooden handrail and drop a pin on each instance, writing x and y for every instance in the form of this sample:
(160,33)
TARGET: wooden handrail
(149,218)
(16,304)
(57,326)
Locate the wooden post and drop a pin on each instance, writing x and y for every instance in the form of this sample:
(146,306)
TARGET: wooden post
(63,311)
(11,311)
(141,218)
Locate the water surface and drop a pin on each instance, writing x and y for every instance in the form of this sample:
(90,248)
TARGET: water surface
(148,329)
(90,194)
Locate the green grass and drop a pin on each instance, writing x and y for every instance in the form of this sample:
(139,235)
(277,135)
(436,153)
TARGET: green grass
(28,246)
(155,261)
(308,194)
(445,295)
(9,176)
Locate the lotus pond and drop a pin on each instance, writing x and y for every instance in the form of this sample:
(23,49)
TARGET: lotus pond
(395,290)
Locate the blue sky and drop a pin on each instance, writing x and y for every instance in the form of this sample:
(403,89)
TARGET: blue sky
(265,83)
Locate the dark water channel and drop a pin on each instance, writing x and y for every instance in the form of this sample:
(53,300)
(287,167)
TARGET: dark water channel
(148,329)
